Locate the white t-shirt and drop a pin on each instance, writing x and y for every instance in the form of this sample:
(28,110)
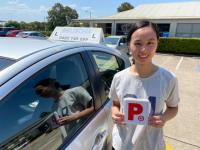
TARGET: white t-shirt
(159,88)
(72,101)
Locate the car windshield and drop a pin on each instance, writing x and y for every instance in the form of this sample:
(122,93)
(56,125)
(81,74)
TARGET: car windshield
(5,62)
(111,40)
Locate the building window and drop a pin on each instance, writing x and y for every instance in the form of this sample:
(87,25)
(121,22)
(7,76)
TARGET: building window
(188,30)
(163,29)
(107,27)
(123,28)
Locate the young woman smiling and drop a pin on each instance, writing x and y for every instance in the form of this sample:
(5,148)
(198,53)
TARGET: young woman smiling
(143,80)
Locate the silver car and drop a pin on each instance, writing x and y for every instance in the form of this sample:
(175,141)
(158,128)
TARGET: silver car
(31,34)
(117,42)
(31,120)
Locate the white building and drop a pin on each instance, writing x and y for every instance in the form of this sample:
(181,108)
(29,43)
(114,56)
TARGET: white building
(176,19)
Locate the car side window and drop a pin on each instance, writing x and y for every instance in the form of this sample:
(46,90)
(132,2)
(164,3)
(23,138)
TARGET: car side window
(49,107)
(33,34)
(123,40)
(107,65)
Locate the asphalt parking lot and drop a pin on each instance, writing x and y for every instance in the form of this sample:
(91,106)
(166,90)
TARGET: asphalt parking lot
(183,133)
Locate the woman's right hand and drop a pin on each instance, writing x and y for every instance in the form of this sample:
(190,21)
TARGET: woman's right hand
(117,116)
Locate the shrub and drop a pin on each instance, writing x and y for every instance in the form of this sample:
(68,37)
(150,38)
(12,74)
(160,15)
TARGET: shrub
(179,45)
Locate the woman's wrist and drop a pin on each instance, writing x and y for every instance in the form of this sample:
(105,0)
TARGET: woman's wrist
(164,118)
(170,113)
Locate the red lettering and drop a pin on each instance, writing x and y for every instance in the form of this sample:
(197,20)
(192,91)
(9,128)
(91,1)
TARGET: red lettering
(134,109)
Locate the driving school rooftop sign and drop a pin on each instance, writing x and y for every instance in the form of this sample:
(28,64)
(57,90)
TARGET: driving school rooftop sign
(78,34)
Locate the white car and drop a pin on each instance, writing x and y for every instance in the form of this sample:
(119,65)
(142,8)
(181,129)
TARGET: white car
(31,34)
(28,120)
(117,42)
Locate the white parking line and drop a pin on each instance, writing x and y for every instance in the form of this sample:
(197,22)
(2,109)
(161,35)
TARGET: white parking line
(179,63)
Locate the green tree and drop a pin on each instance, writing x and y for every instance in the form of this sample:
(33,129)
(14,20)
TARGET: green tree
(37,26)
(124,6)
(60,15)
(23,25)
(11,23)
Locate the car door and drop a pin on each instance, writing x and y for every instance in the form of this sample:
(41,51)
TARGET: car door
(106,65)
(30,118)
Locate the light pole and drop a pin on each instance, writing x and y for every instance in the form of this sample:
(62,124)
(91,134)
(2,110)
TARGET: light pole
(90,12)
(45,23)
(68,19)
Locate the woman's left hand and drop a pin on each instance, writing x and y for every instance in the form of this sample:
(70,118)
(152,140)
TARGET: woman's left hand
(157,121)
(65,120)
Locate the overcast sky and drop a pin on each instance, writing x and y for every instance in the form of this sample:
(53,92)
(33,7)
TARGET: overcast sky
(36,10)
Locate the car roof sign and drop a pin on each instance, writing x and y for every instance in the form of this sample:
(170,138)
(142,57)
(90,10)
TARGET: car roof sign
(78,34)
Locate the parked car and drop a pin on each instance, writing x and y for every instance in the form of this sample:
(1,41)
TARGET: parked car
(13,33)
(28,120)
(117,42)
(4,30)
(31,34)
